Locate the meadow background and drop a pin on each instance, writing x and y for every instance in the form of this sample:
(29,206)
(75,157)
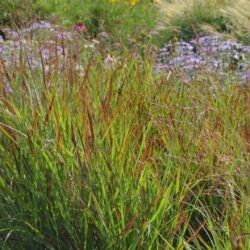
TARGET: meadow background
(119,156)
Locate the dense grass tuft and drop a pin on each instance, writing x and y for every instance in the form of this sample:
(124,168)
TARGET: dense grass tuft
(184,19)
(124,159)
(115,155)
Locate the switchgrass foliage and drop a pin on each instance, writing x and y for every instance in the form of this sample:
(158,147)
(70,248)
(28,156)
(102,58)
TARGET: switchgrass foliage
(122,158)
(184,19)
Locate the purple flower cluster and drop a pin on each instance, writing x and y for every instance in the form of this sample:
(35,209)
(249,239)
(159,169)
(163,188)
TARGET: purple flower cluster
(23,43)
(36,28)
(40,45)
(211,54)
(28,53)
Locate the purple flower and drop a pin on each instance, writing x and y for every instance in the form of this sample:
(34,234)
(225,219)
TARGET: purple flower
(246,77)
(209,53)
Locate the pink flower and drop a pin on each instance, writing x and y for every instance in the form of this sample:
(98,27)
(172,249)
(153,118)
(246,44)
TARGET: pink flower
(79,27)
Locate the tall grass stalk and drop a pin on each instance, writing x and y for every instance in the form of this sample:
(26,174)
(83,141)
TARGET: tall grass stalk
(123,159)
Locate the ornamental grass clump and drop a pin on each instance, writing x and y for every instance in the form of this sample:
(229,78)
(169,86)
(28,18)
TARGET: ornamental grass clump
(239,15)
(184,19)
(122,158)
(100,151)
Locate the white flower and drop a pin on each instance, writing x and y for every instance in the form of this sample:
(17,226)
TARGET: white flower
(109,62)
(95,41)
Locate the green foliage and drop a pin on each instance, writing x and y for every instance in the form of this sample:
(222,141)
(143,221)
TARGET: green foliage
(239,16)
(123,159)
(121,19)
(184,19)
(15,12)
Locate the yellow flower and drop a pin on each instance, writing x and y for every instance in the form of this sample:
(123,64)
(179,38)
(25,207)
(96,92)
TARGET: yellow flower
(132,2)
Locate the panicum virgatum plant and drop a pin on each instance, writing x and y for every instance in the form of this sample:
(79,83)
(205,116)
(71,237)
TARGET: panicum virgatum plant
(123,158)
(108,153)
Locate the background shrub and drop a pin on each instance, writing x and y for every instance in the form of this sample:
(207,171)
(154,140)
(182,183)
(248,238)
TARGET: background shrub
(121,19)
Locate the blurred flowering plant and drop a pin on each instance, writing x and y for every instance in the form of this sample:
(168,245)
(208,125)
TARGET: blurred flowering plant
(79,27)
(210,54)
(132,2)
